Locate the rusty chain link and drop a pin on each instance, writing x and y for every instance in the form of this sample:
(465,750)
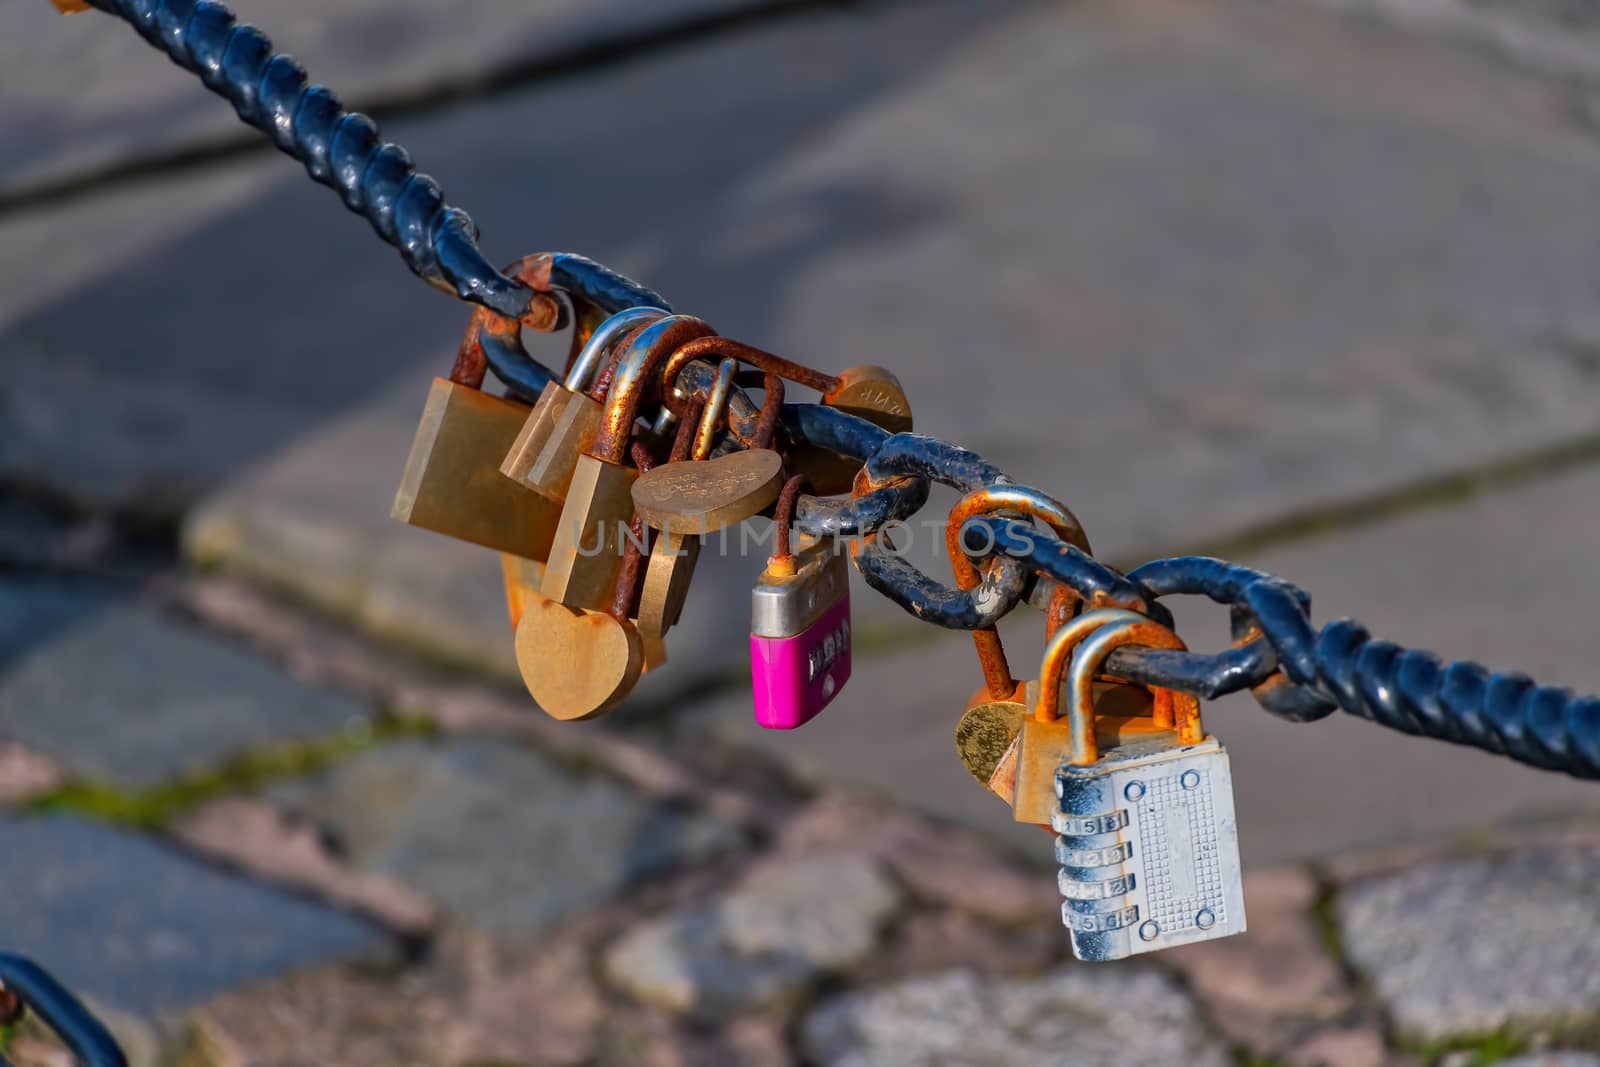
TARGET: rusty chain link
(1294,670)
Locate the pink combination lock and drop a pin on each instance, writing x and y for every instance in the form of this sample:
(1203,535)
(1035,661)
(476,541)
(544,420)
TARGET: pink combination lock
(799,634)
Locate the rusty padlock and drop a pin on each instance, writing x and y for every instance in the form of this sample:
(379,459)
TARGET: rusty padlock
(666,497)
(872,393)
(1047,741)
(989,733)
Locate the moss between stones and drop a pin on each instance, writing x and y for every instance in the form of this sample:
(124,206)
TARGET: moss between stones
(1480,1049)
(1325,917)
(155,807)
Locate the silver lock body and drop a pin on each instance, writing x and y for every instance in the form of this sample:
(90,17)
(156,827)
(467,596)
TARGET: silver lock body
(786,605)
(1148,848)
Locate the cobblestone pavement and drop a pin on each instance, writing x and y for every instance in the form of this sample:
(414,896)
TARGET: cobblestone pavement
(267,796)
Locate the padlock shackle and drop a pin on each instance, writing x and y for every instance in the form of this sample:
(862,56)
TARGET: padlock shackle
(638,363)
(728,348)
(598,345)
(1032,503)
(716,408)
(782,561)
(1058,650)
(1172,709)
(625,590)
(766,431)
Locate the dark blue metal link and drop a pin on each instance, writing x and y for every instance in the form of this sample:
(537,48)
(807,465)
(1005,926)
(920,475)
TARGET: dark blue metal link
(1406,690)
(1094,582)
(600,286)
(90,1042)
(838,431)
(909,458)
(595,293)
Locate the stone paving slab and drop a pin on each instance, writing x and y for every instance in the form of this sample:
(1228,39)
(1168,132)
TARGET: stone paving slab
(85,95)
(34,611)
(250,835)
(1079,1016)
(760,944)
(1481,945)
(497,834)
(1501,578)
(1277,326)
(471,1002)
(126,696)
(135,924)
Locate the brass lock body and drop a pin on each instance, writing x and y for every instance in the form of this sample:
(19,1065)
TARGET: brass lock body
(586,551)
(576,664)
(452,482)
(590,537)
(988,738)
(563,423)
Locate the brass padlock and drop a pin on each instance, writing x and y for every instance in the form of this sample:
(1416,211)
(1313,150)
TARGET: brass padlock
(989,735)
(986,735)
(872,393)
(563,423)
(577,664)
(452,482)
(591,534)
(522,578)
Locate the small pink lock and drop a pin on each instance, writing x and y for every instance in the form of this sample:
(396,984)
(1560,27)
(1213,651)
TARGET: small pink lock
(800,636)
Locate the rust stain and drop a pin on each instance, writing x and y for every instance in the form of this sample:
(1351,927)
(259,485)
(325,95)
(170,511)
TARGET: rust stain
(726,348)
(1003,498)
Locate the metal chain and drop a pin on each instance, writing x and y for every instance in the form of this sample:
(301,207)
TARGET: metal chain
(32,987)
(1294,671)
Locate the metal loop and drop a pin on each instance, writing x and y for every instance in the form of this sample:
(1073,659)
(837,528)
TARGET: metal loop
(1004,499)
(494,340)
(927,459)
(1097,584)
(598,344)
(1273,653)
(87,1038)
(1099,637)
